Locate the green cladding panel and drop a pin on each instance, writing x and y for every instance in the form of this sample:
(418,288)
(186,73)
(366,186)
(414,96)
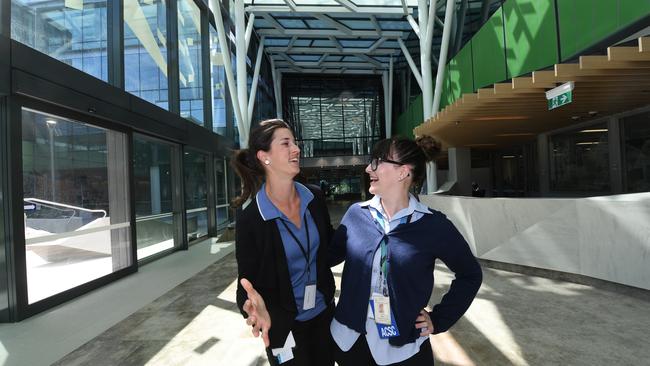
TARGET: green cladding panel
(489,52)
(631,11)
(531,35)
(412,117)
(460,73)
(584,23)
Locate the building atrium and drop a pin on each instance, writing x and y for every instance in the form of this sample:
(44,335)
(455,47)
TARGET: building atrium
(119,118)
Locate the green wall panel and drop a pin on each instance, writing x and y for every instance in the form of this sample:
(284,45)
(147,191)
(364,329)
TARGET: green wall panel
(461,75)
(531,36)
(489,52)
(411,118)
(584,23)
(632,10)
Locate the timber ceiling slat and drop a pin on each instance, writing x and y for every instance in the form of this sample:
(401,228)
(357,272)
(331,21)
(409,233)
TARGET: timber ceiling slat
(516,111)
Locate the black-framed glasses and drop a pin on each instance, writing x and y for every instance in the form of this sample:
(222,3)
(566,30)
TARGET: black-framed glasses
(374,162)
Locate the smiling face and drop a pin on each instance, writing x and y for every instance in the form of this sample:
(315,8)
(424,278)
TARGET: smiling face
(283,155)
(389,179)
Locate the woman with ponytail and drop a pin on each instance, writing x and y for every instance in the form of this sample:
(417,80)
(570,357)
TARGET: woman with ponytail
(390,244)
(285,287)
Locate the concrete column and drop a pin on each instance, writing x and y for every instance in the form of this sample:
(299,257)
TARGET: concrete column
(460,170)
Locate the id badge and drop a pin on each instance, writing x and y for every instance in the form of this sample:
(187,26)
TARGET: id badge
(381,309)
(385,331)
(309,300)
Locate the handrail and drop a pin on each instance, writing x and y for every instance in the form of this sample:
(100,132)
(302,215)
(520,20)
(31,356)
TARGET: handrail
(45,202)
(154,217)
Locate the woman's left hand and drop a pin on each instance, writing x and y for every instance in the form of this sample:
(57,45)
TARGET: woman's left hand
(424,324)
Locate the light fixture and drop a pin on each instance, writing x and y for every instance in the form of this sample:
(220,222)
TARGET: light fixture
(594,130)
(50,122)
(575,118)
(593,113)
(588,143)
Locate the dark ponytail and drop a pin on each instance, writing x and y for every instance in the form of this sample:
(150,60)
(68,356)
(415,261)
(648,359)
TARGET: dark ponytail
(245,162)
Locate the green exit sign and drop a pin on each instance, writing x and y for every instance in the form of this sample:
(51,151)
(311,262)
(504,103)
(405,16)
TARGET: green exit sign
(560,96)
(560,100)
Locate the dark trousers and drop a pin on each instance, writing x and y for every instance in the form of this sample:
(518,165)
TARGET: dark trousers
(359,355)
(313,342)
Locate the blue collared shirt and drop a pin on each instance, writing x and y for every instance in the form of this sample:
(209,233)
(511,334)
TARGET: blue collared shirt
(295,257)
(382,352)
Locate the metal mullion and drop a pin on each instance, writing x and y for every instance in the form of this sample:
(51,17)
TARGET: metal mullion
(172,47)
(115,43)
(206,70)
(211,199)
(178,200)
(16,265)
(130,154)
(5,222)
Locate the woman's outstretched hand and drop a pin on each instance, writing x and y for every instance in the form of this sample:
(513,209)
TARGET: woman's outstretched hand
(258,316)
(424,324)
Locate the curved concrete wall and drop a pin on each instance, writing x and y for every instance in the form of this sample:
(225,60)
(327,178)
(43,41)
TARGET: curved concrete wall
(601,237)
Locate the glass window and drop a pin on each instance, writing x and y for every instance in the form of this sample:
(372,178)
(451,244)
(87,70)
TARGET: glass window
(154,209)
(636,141)
(71,31)
(222,195)
(189,61)
(580,160)
(334,116)
(76,213)
(196,194)
(145,50)
(217,85)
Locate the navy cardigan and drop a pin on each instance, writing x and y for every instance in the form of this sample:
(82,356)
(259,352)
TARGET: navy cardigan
(413,249)
(261,259)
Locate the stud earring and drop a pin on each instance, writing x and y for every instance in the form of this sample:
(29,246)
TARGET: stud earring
(267,162)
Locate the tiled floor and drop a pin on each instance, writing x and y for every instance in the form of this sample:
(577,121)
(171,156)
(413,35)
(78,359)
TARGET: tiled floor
(515,320)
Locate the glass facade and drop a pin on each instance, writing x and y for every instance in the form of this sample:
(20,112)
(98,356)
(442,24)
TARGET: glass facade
(145,50)
(189,61)
(335,116)
(636,153)
(4,294)
(71,31)
(217,85)
(580,160)
(196,194)
(76,213)
(154,174)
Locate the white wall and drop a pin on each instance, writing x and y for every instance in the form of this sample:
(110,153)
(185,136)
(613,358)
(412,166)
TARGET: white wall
(601,237)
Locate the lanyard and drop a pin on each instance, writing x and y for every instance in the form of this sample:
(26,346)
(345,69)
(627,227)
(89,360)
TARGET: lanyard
(385,256)
(305,253)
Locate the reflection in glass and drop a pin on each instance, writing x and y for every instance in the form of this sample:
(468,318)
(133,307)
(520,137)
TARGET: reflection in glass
(76,214)
(145,50)
(154,209)
(196,194)
(71,31)
(637,153)
(580,160)
(189,61)
(217,85)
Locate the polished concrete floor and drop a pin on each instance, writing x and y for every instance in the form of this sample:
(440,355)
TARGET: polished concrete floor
(516,319)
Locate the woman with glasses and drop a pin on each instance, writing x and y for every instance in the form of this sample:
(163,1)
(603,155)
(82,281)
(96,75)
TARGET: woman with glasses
(390,244)
(281,241)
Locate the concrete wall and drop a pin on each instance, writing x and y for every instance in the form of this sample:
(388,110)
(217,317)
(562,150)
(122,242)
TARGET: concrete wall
(602,237)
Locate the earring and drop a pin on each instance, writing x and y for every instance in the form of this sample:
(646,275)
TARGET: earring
(267,162)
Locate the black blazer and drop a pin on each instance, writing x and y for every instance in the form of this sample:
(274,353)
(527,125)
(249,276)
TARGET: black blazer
(261,259)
